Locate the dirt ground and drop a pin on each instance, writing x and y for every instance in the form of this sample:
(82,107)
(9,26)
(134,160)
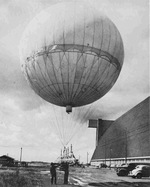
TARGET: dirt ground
(86,177)
(105,177)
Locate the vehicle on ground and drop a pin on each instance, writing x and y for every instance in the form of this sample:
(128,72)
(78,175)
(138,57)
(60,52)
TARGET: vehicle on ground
(125,169)
(113,166)
(103,165)
(140,171)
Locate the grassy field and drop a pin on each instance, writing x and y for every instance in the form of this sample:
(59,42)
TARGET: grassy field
(28,177)
(21,177)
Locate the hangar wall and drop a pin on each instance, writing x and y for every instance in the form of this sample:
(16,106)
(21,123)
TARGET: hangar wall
(127,137)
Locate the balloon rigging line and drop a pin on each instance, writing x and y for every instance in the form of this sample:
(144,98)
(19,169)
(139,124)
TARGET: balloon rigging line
(60,67)
(40,81)
(57,126)
(79,55)
(80,110)
(51,59)
(73,127)
(63,123)
(85,95)
(71,123)
(58,122)
(75,94)
(92,80)
(50,78)
(78,95)
(81,122)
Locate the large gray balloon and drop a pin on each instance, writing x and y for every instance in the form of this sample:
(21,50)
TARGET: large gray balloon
(72,55)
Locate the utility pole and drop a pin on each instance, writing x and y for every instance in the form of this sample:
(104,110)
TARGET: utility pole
(71,149)
(126,145)
(105,150)
(110,157)
(87,157)
(20,155)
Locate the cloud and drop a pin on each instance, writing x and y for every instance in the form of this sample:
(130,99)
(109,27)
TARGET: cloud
(15,12)
(9,134)
(13,84)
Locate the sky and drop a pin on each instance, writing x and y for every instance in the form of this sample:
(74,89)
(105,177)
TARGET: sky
(38,127)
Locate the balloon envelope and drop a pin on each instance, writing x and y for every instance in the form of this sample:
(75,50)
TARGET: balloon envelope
(72,55)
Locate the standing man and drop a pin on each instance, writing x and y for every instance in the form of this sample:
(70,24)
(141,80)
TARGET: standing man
(66,174)
(53,173)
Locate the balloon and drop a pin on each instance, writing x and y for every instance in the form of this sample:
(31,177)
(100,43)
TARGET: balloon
(72,55)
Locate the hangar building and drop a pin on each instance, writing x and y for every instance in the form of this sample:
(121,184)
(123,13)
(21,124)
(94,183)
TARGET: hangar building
(126,139)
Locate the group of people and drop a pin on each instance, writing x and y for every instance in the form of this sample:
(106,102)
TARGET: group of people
(64,166)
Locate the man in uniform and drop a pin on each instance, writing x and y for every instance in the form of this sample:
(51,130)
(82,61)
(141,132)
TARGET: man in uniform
(53,173)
